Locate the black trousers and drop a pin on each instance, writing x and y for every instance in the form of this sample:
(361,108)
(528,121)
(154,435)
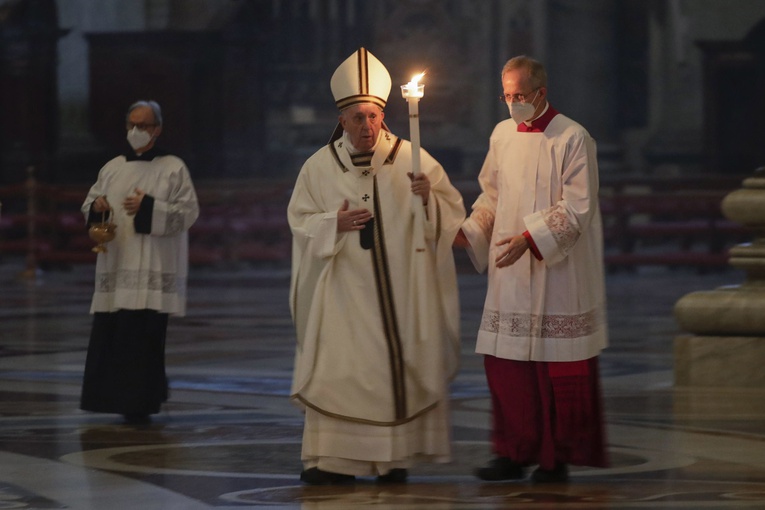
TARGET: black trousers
(125,365)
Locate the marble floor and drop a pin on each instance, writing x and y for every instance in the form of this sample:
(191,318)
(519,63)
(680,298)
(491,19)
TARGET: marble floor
(228,438)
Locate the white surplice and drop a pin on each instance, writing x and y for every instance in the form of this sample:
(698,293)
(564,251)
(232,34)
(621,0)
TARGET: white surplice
(377,329)
(545,183)
(145,271)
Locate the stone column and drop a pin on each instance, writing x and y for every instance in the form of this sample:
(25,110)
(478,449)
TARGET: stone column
(581,59)
(726,347)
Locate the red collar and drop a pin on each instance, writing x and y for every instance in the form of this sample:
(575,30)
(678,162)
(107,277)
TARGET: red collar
(538,125)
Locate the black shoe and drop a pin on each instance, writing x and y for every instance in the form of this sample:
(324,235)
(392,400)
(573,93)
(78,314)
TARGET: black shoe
(558,474)
(396,475)
(137,419)
(315,476)
(500,468)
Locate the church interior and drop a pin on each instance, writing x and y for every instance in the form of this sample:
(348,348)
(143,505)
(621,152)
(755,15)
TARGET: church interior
(671,91)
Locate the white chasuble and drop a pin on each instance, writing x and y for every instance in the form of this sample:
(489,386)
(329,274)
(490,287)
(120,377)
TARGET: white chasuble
(545,183)
(375,347)
(145,271)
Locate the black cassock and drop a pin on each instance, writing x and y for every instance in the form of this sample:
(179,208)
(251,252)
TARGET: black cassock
(125,365)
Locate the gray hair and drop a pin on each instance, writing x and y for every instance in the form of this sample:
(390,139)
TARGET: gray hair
(536,71)
(151,104)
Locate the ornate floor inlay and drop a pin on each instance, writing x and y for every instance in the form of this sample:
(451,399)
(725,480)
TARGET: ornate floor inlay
(229,438)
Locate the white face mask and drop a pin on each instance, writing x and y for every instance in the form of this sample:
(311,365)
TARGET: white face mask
(137,138)
(521,112)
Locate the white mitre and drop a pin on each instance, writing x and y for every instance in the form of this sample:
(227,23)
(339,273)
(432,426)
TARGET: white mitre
(360,79)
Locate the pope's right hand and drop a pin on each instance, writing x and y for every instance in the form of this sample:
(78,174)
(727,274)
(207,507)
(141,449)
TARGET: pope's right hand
(349,220)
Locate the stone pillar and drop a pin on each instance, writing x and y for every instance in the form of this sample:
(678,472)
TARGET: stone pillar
(581,44)
(29,35)
(726,347)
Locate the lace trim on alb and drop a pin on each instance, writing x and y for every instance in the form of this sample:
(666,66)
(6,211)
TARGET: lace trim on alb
(485,220)
(174,223)
(536,326)
(563,231)
(134,280)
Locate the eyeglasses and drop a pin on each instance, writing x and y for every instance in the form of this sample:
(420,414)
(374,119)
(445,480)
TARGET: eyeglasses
(360,118)
(516,98)
(141,126)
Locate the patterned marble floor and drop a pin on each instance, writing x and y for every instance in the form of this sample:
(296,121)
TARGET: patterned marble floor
(229,439)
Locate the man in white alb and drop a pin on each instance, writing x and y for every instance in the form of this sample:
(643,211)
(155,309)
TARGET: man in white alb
(141,278)
(537,227)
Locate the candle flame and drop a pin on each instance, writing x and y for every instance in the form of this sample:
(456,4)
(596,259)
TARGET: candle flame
(413,90)
(416,78)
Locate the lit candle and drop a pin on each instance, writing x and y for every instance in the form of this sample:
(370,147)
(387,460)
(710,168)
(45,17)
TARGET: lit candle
(412,92)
